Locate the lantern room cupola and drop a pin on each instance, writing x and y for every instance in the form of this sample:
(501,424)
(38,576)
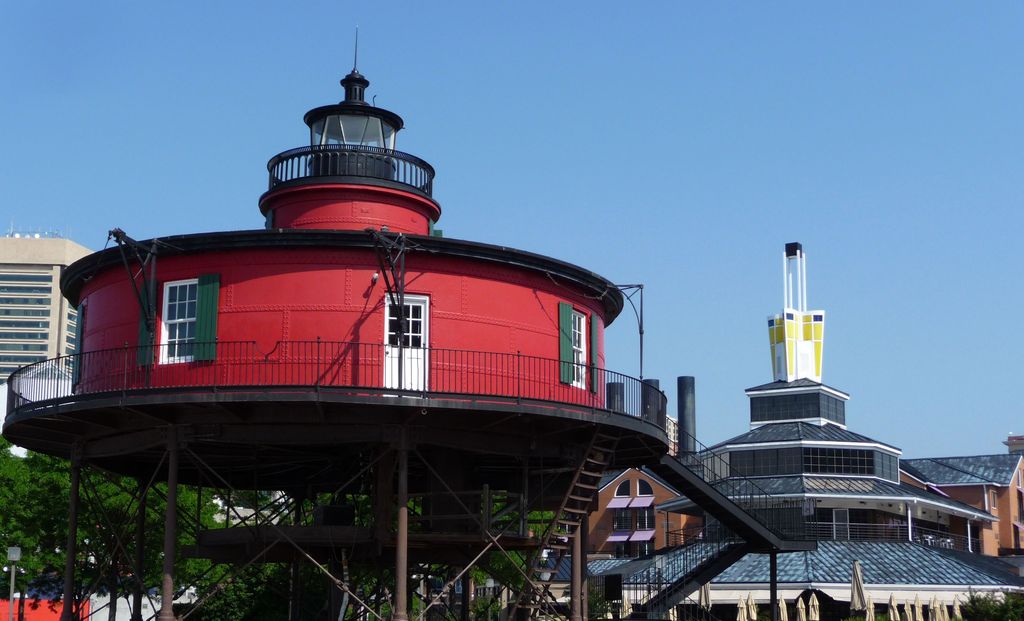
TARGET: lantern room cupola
(353,122)
(350,177)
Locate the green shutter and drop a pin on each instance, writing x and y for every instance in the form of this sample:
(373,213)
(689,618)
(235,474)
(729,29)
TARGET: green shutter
(593,353)
(76,361)
(565,342)
(206,317)
(144,352)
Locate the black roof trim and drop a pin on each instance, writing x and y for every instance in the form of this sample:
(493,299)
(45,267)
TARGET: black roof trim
(595,286)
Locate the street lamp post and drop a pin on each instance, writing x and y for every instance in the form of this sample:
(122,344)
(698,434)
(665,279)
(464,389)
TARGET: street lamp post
(13,556)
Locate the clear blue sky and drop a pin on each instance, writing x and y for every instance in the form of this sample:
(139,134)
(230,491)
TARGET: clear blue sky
(675,144)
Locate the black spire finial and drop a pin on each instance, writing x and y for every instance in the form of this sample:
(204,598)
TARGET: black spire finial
(354,83)
(355,54)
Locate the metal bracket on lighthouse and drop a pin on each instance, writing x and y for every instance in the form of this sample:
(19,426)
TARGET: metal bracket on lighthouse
(391,249)
(145,257)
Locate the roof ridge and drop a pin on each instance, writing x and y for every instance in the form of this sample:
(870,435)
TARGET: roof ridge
(969,472)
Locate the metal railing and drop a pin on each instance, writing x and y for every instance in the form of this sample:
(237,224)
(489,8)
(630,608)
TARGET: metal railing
(377,368)
(783,516)
(831,531)
(652,590)
(340,160)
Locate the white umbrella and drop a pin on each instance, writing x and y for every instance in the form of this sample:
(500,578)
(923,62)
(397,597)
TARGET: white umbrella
(857,588)
(751,607)
(869,609)
(908,612)
(956,607)
(813,610)
(943,612)
(894,612)
(933,609)
(801,610)
(704,596)
(918,608)
(741,611)
(783,614)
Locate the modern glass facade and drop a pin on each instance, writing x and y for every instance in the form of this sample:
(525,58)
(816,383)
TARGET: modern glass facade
(771,408)
(814,460)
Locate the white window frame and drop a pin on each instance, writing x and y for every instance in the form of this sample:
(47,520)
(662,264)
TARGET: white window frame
(413,355)
(164,323)
(578,339)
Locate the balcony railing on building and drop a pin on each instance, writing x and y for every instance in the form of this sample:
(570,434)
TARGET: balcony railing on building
(841,531)
(356,161)
(375,368)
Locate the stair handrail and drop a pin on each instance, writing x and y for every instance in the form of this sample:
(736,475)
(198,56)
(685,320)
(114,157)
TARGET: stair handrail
(709,465)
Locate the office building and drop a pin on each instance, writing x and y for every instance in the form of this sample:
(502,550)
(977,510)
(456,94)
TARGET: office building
(36,322)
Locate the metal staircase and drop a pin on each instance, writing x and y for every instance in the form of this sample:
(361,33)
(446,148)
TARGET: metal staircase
(564,527)
(674,574)
(740,517)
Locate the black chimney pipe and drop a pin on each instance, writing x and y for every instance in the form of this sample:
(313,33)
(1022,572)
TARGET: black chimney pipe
(686,406)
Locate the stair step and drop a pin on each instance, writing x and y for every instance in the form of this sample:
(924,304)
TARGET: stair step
(586,499)
(585,485)
(576,510)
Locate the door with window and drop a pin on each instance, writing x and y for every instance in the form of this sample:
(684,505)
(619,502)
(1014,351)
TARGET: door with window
(406,356)
(840,524)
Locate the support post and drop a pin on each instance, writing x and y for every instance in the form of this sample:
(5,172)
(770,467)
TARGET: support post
(401,608)
(576,579)
(910,522)
(970,546)
(140,551)
(170,528)
(68,610)
(464,600)
(585,583)
(773,562)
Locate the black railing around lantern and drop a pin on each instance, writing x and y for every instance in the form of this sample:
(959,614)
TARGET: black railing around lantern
(333,364)
(339,160)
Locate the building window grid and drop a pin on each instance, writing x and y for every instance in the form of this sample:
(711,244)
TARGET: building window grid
(32,301)
(645,518)
(622,490)
(24,312)
(622,519)
(579,350)
(813,460)
(791,407)
(26,277)
(23,289)
(179,320)
(414,331)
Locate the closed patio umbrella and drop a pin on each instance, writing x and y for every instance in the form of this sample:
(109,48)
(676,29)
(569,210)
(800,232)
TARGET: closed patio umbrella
(801,610)
(751,607)
(869,609)
(704,596)
(857,588)
(918,608)
(741,611)
(813,610)
(894,613)
(908,612)
(781,606)
(956,607)
(933,609)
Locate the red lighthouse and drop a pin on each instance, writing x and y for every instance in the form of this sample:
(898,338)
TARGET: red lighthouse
(347,350)
(346,357)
